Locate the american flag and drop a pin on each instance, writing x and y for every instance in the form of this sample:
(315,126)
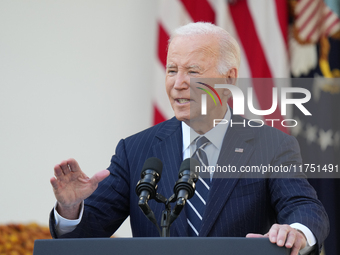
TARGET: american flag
(260,27)
(314,19)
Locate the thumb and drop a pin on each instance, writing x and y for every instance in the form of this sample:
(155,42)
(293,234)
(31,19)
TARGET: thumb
(98,177)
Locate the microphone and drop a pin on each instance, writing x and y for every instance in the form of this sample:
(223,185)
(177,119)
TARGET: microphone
(147,185)
(184,188)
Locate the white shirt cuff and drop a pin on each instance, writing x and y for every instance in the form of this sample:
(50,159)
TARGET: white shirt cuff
(311,241)
(64,226)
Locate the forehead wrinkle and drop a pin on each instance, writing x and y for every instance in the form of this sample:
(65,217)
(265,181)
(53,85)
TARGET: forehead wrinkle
(206,51)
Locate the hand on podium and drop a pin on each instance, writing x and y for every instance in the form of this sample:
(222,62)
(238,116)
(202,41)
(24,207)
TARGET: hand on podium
(285,235)
(71,186)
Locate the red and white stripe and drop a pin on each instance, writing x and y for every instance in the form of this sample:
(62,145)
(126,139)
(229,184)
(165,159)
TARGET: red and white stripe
(313,18)
(260,27)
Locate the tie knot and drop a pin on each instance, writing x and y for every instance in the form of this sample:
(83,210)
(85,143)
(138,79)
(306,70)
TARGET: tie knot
(201,142)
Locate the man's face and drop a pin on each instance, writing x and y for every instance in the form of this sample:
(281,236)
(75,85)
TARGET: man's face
(191,57)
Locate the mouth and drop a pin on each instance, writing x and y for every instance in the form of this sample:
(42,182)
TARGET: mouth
(182,100)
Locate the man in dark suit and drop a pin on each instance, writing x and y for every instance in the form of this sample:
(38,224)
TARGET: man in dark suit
(285,210)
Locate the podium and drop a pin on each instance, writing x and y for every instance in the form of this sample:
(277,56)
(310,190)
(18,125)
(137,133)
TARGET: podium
(159,245)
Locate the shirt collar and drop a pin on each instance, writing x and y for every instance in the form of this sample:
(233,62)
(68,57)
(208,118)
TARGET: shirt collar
(215,135)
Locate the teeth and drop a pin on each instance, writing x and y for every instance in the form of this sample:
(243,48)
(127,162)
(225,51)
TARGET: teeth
(182,100)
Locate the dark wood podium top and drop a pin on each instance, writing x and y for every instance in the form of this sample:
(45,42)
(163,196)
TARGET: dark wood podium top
(158,245)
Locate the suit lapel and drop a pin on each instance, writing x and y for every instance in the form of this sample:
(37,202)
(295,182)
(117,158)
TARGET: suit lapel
(169,151)
(237,137)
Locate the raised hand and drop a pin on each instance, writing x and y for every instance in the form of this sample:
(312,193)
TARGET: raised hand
(71,186)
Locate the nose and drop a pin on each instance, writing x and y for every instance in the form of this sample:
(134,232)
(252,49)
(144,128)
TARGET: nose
(182,81)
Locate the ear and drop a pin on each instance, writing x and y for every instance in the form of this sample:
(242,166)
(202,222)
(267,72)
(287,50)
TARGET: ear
(232,75)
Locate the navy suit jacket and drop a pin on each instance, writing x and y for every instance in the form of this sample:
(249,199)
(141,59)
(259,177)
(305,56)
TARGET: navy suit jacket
(236,206)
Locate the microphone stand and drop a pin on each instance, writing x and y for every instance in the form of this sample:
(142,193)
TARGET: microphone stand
(165,223)
(165,220)
(168,215)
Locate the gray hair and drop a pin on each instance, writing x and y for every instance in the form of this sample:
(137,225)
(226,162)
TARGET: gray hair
(229,48)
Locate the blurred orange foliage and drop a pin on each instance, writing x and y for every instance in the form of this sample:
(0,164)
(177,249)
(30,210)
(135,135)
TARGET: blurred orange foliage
(18,239)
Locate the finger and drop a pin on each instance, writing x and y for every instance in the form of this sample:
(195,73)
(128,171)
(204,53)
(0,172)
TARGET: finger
(73,164)
(301,236)
(299,243)
(252,235)
(291,238)
(54,183)
(64,167)
(294,251)
(273,233)
(296,247)
(98,177)
(58,172)
(282,234)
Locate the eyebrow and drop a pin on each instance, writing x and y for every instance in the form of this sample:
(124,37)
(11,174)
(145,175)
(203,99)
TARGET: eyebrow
(188,67)
(194,67)
(170,66)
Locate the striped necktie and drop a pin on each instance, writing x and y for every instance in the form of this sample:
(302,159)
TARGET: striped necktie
(196,205)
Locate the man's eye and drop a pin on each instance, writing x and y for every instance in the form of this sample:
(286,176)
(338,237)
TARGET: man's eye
(171,71)
(193,72)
